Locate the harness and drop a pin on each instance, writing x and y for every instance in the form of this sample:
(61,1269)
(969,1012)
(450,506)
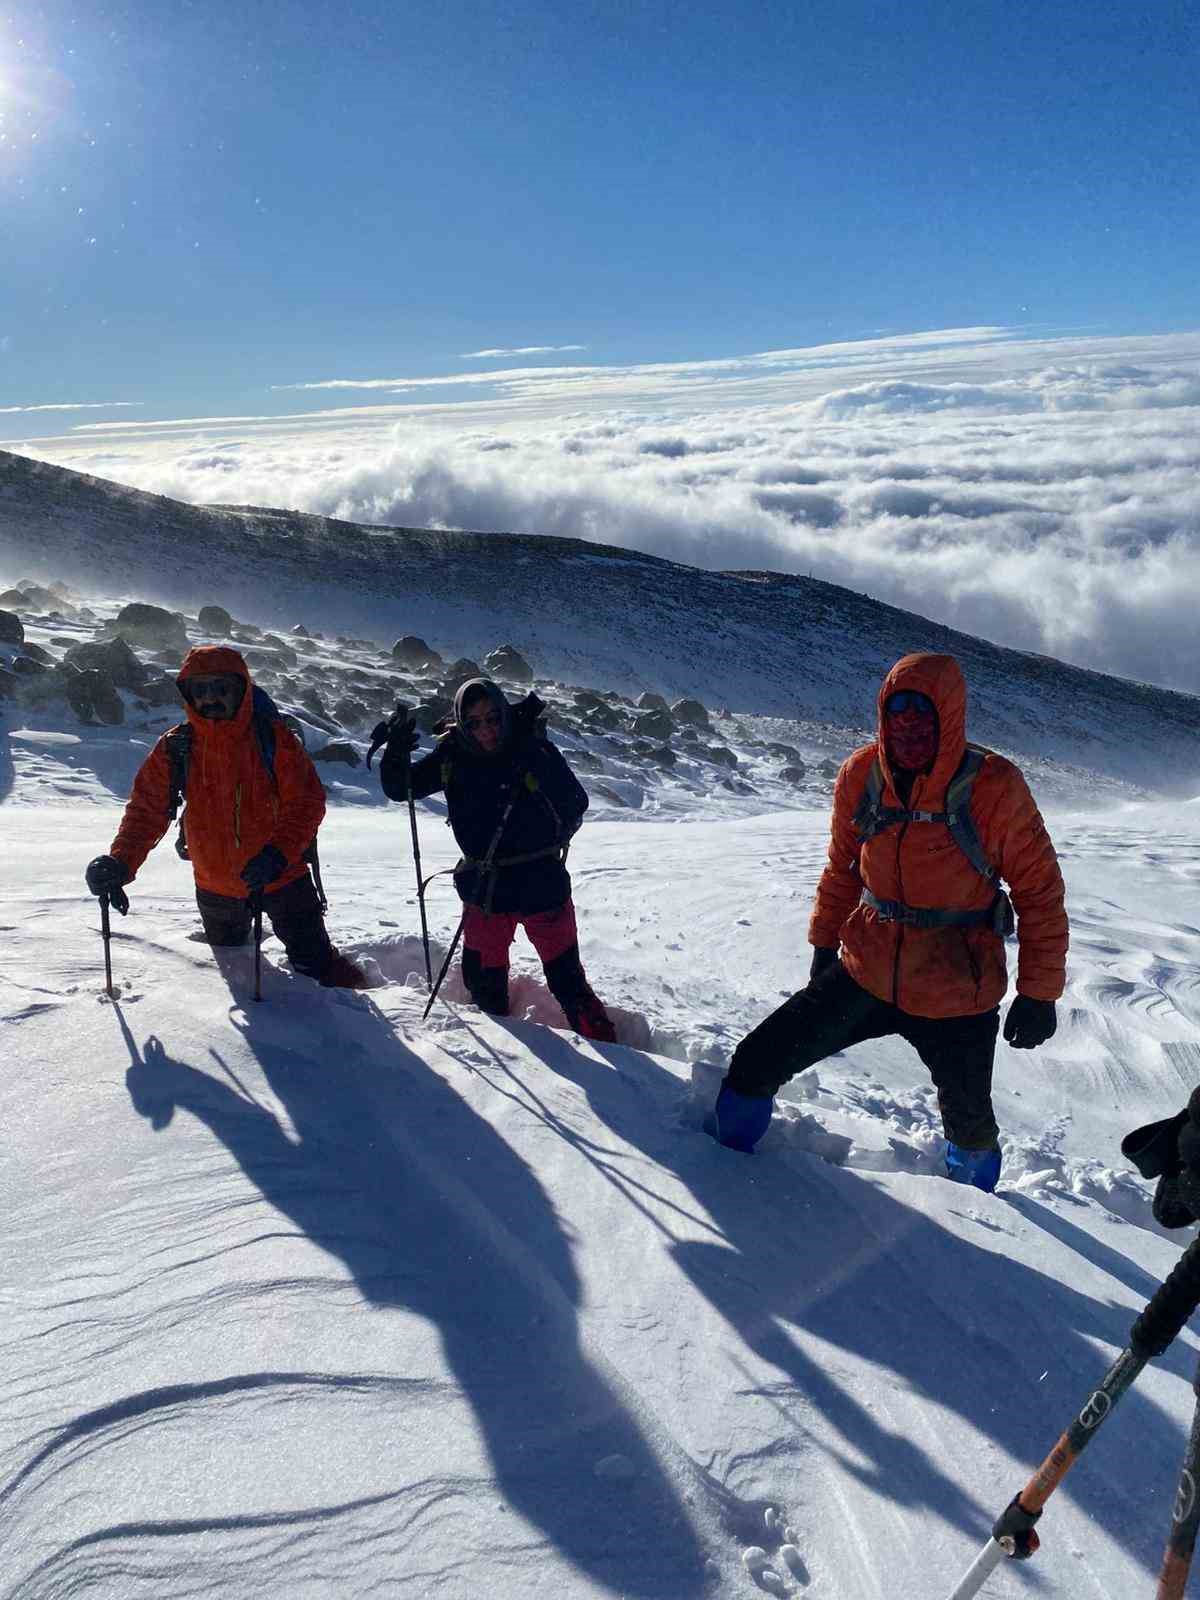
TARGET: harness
(490,865)
(178,743)
(873,817)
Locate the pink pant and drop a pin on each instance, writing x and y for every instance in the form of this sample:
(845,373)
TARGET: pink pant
(491,933)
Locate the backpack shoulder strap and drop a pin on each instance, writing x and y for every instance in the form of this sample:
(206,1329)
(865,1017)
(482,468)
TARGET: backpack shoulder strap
(872,817)
(265,716)
(958,811)
(178,744)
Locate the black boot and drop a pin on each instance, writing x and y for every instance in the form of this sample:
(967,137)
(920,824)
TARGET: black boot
(487,986)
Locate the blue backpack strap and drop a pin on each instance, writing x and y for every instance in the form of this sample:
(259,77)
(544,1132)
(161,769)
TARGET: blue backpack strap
(178,744)
(265,716)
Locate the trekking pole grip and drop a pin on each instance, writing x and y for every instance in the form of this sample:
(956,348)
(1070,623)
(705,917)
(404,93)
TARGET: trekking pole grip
(1168,1311)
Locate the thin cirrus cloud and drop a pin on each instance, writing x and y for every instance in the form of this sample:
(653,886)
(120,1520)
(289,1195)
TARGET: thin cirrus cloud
(72,405)
(1041,493)
(522,350)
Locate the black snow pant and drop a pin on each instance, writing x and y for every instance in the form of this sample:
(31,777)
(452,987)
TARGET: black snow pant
(834,1013)
(295,915)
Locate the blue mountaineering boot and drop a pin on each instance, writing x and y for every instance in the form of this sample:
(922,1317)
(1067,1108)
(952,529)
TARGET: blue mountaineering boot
(980,1168)
(739,1121)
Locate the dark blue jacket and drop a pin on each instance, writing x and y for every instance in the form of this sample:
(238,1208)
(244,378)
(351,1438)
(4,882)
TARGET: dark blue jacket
(549,806)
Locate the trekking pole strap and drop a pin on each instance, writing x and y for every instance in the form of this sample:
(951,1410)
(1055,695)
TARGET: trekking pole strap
(1172,1305)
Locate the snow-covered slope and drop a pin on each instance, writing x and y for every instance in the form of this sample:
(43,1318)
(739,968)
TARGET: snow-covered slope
(309,1298)
(312,1298)
(756,642)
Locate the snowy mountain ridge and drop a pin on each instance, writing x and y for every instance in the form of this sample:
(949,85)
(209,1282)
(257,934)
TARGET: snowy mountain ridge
(759,643)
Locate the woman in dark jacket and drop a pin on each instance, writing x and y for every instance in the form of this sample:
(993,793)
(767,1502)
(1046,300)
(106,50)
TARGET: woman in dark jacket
(513,804)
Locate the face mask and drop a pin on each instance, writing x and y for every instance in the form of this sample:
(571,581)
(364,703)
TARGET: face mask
(911,739)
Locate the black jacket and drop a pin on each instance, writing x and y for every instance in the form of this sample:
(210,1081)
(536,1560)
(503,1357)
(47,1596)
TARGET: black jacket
(549,806)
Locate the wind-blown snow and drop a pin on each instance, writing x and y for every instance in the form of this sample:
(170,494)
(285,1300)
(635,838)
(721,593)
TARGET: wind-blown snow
(313,1298)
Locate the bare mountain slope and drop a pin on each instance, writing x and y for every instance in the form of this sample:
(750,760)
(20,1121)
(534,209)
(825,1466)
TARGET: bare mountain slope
(759,642)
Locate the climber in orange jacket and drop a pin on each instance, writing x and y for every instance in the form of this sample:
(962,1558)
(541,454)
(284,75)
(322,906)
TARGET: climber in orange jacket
(910,921)
(254,804)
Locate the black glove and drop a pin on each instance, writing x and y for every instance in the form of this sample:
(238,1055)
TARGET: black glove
(1170,1151)
(523,717)
(1029,1022)
(824,957)
(105,877)
(398,733)
(263,868)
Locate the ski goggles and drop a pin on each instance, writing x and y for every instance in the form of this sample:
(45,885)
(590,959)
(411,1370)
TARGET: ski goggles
(908,700)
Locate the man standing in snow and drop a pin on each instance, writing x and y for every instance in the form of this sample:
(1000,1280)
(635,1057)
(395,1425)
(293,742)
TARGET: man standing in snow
(512,802)
(910,921)
(254,804)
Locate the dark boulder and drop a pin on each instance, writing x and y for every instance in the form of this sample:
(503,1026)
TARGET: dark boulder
(339,751)
(654,724)
(12,629)
(785,752)
(113,658)
(94,698)
(691,712)
(509,664)
(792,774)
(215,621)
(152,627)
(720,755)
(412,652)
(649,701)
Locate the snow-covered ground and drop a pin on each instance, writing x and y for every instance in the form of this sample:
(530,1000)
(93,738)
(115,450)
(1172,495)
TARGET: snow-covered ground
(311,1298)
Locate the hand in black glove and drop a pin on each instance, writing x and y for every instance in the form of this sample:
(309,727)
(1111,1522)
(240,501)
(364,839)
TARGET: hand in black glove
(263,868)
(105,877)
(1029,1022)
(524,715)
(399,735)
(1170,1151)
(824,957)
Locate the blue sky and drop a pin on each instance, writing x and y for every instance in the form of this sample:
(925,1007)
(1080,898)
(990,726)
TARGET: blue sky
(224,199)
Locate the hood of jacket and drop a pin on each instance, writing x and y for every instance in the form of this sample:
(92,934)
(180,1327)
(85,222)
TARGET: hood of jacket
(496,699)
(939,677)
(209,660)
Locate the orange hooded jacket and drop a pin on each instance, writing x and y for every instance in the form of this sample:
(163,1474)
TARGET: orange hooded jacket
(941,972)
(233,807)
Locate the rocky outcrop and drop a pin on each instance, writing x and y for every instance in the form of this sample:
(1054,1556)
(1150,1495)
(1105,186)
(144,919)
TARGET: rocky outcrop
(151,627)
(508,665)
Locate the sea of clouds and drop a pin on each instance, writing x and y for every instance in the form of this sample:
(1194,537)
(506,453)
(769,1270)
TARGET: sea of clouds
(1045,494)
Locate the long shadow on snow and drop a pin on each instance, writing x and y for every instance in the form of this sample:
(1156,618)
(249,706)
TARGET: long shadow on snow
(810,1249)
(375,1181)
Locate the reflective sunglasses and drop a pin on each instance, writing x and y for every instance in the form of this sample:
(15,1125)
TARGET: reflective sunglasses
(492,719)
(908,700)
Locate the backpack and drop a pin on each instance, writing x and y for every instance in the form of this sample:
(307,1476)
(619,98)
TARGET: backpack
(872,818)
(178,740)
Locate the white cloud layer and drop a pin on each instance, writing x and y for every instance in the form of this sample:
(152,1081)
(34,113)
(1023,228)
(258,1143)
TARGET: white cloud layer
(1042,494)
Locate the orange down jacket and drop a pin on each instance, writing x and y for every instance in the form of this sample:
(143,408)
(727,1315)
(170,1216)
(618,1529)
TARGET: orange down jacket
(233,806)
(941,972)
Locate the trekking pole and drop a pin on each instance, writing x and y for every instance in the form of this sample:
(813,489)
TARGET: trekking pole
(256,901)
(400,718)
(1185,1515)
(434,987)
(1013,1533)
(106,935)
(416,844)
